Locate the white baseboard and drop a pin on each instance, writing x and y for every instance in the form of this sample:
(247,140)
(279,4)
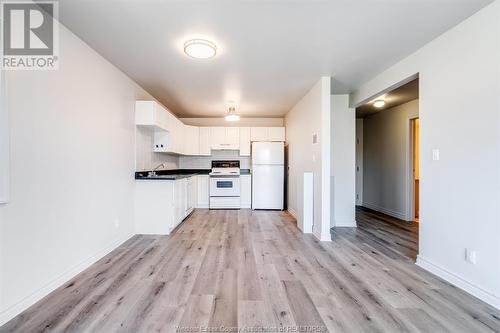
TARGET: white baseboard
(201,206)
(326,237)
(294,214)
(390,212)
(461,283)
(344,223)
(323,237)
(14,309)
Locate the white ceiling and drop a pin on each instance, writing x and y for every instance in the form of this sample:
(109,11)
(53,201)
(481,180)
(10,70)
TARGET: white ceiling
(270,53)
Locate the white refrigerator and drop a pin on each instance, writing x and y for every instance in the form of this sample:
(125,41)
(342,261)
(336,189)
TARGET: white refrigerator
(268,175)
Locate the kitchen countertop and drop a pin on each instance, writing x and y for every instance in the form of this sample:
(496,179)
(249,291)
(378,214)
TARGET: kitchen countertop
(164,177)
(177,174)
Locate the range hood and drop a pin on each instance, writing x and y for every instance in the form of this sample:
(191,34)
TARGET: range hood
(225,146)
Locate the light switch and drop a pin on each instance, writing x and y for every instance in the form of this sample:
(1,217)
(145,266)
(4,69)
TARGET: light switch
(435,154)
(470,256)
(315,138)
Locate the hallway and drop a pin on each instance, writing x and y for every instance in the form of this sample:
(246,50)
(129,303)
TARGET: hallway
(394,237)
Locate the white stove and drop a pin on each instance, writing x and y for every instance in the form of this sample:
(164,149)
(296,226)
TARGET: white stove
(225,172)
(225,185)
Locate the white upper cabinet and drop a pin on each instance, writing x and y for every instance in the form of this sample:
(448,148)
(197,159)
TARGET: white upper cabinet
(177,137)
(245,141)
(150,113)
(170,120)
(233,136)
(225,137)
(204,142)
(169,134)
(217,135)
(192,140)
(276,133)
(172,136)
(162,142)
(268,134)
(259,133)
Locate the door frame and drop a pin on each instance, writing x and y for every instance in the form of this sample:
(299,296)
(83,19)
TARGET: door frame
(410,172)
(359,137)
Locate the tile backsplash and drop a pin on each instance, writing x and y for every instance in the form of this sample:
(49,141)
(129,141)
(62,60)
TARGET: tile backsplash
(205,162)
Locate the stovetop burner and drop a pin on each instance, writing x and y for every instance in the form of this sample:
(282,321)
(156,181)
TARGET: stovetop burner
(225,168)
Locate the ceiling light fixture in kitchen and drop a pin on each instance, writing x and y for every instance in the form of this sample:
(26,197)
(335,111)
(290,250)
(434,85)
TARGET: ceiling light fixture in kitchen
(231,114)
(200,48)
(379,103)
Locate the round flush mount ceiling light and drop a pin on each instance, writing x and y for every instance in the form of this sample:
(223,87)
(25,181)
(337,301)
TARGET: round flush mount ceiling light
(231,114)
(379,103)
(232,117)
(200,48)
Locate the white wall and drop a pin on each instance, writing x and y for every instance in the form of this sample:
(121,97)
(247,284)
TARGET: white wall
(72,165)
(343,162)
(4,143)
(359,161)
(386,158)
(459,115)
(307,117)
(243,122)
(205,162)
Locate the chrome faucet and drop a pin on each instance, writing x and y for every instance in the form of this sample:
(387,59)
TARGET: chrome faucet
(153,172)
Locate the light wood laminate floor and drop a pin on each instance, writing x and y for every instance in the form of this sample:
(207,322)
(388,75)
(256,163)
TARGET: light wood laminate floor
(245,268)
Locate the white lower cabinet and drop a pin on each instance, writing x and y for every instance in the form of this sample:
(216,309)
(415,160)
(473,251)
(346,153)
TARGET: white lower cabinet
(191,184)
(203,191)
(161,205)
(246,191)
(180,200)
(154,206)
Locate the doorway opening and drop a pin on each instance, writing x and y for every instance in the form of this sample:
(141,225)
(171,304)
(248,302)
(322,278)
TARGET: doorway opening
(387,163)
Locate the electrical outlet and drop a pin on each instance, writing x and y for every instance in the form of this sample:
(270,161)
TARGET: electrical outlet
(117,223)
(470,256)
